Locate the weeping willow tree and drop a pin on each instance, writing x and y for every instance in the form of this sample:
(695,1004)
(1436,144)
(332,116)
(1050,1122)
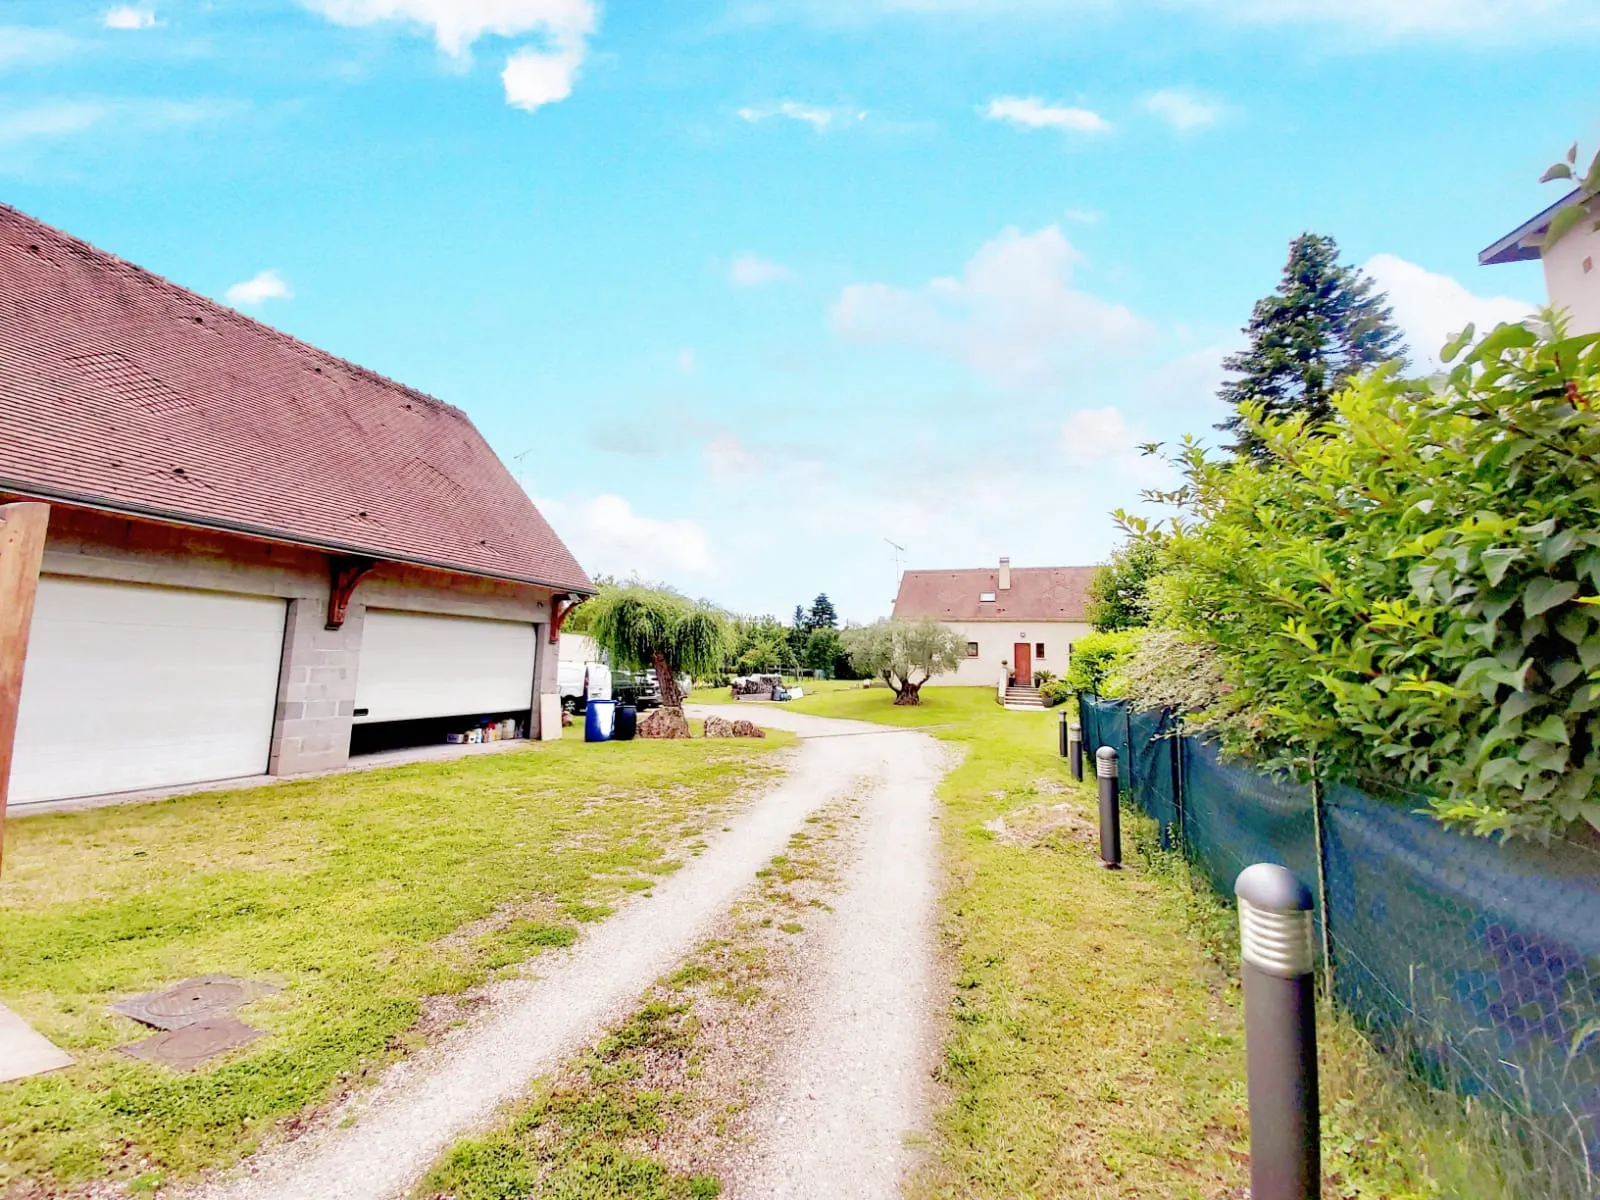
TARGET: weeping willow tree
(644,627)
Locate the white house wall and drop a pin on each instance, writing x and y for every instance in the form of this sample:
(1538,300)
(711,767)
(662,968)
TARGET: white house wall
(1573,286)
(995,642)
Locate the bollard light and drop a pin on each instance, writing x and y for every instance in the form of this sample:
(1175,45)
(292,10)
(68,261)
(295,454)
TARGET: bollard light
(1075,750)
(1105,767)
(1064,733)
(1276,949)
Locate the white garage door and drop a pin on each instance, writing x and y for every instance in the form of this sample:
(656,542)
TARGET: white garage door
(427,666)
(131,687)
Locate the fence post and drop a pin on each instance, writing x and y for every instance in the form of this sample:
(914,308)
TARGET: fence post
(1105,768)
(1275,944)
(1133,757)
(1318,811)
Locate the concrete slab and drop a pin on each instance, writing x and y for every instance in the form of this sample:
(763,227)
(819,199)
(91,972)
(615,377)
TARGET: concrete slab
(24,1051)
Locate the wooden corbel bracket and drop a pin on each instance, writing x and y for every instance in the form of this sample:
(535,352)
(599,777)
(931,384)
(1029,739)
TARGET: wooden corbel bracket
(344,572)
(561,609)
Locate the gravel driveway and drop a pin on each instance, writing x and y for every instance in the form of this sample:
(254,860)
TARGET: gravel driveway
(853,1069)
(853,1072)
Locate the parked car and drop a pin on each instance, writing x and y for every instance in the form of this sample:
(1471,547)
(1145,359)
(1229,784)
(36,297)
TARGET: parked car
(642,689)
(580,682)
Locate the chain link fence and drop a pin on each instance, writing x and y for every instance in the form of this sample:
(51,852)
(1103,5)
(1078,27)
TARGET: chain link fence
(1476,959)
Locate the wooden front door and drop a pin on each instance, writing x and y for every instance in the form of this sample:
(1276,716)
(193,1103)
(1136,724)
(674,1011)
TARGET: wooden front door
(1022,664)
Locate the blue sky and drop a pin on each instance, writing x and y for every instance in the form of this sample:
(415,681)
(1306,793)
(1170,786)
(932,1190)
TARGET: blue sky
(743,289)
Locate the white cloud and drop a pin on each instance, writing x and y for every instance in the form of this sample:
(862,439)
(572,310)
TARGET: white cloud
(751,270)
(813,115)
(687,363)
(729,460)
(1084,216)
(1396,18)
(1102,439)
(268,285)
(1182,109)
(49,120)
(609,537)
(23,46)
(534,75)
(1030,112)
(1013,315)
(1431,309)
(127,16)
(1374,21)
(534,78)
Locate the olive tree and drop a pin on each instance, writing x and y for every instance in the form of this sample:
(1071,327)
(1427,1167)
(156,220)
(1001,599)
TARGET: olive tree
(904,654)
(652,627)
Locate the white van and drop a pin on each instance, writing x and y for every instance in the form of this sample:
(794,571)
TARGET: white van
(580,682)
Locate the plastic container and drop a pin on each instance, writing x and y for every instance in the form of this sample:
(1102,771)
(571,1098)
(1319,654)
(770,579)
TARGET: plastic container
(599,720)
(627,727)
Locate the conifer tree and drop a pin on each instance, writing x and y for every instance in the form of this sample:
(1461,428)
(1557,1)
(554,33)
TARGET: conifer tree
(1325,323)
(823,615)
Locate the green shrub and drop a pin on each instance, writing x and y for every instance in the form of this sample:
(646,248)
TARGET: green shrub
(1055,691)
(1096,656)
(1412,592)
(1119,593)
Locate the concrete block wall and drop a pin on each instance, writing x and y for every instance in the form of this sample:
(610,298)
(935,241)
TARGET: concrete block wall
(316,689)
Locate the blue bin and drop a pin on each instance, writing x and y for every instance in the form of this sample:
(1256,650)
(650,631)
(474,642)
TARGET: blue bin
(599,720)
(627,726)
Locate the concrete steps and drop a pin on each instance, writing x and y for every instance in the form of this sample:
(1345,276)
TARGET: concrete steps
(1024,697)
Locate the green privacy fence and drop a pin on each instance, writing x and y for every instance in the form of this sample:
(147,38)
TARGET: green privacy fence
(1479,960)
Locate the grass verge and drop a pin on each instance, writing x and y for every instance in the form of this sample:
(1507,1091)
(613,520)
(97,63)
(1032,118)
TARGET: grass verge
(1097,1047)
(366,897)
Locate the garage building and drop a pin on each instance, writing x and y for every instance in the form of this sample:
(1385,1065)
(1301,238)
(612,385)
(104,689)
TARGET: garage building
(260,556)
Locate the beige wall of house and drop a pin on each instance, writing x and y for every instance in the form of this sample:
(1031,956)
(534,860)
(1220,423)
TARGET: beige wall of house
(1572,276)
(995,642)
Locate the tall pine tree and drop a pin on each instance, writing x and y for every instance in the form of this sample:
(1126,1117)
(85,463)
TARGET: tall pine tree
(823,615)
(1325,323)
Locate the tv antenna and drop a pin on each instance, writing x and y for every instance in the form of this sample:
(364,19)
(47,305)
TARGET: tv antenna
(899,550)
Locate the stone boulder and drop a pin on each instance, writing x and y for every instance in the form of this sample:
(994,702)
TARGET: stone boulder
(748,729)
(719,727)
(665,723)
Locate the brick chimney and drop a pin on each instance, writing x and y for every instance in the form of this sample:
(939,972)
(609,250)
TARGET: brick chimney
(1005,574)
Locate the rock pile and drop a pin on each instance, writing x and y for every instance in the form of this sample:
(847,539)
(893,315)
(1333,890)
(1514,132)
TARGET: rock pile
(721,727)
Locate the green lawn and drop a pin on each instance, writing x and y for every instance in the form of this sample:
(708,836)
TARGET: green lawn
(1096,1044)
(1095,1047)
(361,895)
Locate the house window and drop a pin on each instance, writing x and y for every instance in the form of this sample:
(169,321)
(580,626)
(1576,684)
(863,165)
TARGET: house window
(985,597)
(972,649)
(1038,649)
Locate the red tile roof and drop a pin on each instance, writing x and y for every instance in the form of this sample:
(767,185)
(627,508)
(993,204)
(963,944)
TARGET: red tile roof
(122,391)
(1036,594)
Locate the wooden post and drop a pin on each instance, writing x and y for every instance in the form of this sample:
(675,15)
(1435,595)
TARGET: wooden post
(22,528)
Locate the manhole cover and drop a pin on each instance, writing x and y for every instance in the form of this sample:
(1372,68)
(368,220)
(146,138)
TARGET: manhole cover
(187,1048)
(190,1001)
(196,998)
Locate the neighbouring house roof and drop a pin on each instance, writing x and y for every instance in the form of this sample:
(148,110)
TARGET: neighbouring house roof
(124,392)
(1036,594)
(1522,243)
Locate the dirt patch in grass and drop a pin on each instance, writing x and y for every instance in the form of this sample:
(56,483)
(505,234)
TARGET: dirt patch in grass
(657,1109)
(371,899)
